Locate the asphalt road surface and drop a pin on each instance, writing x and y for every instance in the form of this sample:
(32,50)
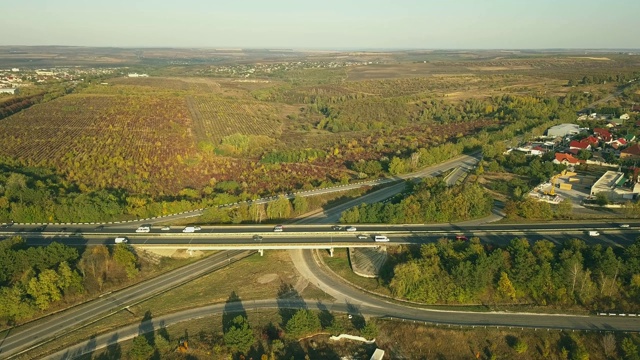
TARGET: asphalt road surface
(43,330)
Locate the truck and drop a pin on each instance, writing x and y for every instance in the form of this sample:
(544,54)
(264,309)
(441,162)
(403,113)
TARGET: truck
(593,233)
(121,239)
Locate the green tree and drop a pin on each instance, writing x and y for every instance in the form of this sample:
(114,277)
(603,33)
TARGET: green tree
(279,209)
(44,289)
(505,287)
(602,199)
(123,256)
(629,349)
(303,322)
(162,345)
(520,346)
(300,205)
(397,166)
(239,336)
(369,331)
(140,349)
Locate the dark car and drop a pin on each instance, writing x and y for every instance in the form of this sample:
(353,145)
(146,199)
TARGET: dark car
(100,228)
(461,238)
(336,227)
(257,238)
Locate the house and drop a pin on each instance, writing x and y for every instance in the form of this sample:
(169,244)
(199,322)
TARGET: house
(615,122)
(618,143)
(631,152)
(603,134)
(594,141)
(563,130)
(624,117)
(583,144)
(567,159)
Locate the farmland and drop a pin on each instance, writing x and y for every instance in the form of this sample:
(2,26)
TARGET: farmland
(205,134)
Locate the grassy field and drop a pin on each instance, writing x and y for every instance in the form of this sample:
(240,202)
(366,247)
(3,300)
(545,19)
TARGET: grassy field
(255,277)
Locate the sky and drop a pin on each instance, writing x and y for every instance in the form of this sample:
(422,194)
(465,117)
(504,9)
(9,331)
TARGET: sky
(324,24)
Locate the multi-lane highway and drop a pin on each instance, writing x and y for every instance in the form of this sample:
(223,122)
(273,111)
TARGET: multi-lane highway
(46,329)
(610,232)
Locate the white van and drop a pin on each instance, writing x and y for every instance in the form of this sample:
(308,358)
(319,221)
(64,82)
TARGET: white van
(381,238)
(121,240)
(593,233)
(189,229)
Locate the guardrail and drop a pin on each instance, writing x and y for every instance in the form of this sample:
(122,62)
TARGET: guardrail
(341,187)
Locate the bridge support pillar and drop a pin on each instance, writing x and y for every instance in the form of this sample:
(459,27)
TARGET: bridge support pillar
(261,251)
(331,252)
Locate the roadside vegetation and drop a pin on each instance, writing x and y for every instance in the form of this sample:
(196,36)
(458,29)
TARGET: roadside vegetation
(35,281)
(569,276)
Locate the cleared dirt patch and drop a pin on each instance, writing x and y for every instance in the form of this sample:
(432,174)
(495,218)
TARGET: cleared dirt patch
(266,278)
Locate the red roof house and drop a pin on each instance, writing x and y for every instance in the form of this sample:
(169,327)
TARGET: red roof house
(603,134)
(567,159)
(583,144)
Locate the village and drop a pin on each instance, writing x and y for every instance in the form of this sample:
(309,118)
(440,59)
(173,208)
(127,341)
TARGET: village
(601,153)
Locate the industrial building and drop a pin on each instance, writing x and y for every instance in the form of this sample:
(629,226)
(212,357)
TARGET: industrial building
(612,183)
(563,130)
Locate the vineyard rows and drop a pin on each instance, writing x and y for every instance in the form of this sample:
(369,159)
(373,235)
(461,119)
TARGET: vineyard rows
(145,144)
(216,118)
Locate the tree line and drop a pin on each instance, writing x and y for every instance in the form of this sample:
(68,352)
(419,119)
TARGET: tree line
(34,279)
(428,201)
(572,274)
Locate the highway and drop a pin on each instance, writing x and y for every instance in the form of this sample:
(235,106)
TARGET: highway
(611,232)
(315,229)
(46,329)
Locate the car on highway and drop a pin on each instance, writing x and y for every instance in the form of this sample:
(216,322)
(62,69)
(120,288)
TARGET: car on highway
(278,228)
(362,237)
(624,225)
(351,228)
(121,239)
(336,228)
(165,228)
(99,228)
(143,229)
(461,238)
(257,238)
(197,228)
(594,233)
(189,229)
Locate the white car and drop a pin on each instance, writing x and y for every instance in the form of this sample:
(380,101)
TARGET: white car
(278,228)
(624,225)
(197,228)
(350,228)
(166,228)
(143,229)
(121,239)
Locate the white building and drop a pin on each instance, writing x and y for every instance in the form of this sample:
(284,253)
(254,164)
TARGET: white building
(135,75)
(15,69)
(563,130)
(611,184)
(624,117)
(8,91)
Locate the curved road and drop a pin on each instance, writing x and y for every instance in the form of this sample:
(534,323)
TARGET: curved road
(357,303)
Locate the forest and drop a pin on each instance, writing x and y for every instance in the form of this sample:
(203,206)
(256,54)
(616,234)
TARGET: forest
(36,279)
(429,201)
(568,275)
